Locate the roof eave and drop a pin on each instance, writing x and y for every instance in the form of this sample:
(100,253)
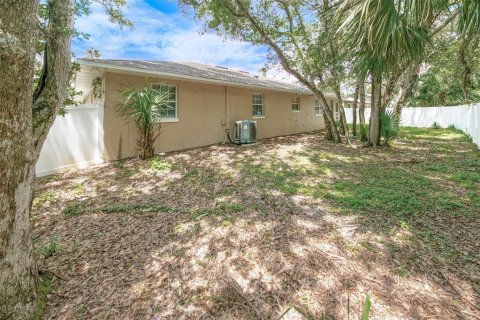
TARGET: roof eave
(140,71)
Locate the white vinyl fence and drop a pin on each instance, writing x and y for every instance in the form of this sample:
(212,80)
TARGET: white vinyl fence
(74,141)
(465,118)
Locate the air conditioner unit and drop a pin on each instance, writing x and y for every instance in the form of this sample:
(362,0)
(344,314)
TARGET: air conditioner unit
(246,131)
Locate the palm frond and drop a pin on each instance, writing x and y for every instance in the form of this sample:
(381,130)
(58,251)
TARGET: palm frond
(384,33)
(469,18)
(144,108)
(389,126)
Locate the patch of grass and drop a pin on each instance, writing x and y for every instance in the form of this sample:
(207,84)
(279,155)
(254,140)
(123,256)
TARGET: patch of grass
(191,173)
(124,170)
(197,227)
(197,213)
(48,196)
(73,209)
(137,208)
(48,249)
(79,189)
(468,180)
(224,207)
(157,164)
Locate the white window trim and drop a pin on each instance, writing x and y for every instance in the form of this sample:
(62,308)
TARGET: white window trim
(166,120)
(320,114)
(263,106)
(297,103)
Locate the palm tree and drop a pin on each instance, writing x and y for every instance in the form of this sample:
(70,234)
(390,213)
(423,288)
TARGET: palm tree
(388,36)
(144,107)
(384,34)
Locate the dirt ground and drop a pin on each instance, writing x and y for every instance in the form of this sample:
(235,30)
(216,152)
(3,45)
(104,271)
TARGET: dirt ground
(291,228)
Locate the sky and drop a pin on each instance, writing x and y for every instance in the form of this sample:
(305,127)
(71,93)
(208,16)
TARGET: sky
(162,32)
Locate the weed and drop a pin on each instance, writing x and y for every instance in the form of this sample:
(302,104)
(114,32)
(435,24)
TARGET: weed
(366,309)
(157,164)
(198,213)
(217,299)
(117,164)
(223,207)
(98,187)
(402,272)
(452,127)
(45,197)
(73,209)
(48,249)
(191,173)
(79,189)
(197,227)
(436,126)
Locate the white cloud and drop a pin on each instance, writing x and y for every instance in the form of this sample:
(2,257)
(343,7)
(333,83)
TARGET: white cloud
(160,36)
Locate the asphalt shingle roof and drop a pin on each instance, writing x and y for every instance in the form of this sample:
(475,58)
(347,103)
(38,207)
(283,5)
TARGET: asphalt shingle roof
(199,71)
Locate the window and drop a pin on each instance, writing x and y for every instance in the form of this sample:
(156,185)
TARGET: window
(168,109)
(318,108)
(257,103)
(296,104)
(337,112)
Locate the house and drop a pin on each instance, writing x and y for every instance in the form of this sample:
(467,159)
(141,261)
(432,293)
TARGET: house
(205,100)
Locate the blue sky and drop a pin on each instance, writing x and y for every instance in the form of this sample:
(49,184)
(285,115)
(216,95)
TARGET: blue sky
(162,32)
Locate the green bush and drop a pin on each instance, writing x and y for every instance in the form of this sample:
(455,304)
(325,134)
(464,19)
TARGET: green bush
(145,108)
(389,126)
(436,125)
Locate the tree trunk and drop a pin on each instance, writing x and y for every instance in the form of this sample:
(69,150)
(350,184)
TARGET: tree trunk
(343,118)
(462,58)
(361,109)
(328,115)
(374,129)
(17,264)
(410,79)
(22,138)
(52,91)
(328,128)
(284,61)
(354,109)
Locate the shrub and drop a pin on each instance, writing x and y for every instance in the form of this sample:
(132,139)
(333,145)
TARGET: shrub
(363,132)
(452,127)
(389,126)
(145,108)
(436,125)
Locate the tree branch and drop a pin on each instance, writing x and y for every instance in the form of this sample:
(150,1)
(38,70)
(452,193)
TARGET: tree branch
(52,91)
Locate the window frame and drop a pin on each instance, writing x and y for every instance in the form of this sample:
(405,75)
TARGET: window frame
(296,102)
(316,104)
(168,119)
(262,105)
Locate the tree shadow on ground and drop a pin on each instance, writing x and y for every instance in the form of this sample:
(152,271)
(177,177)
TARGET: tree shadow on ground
(227,232)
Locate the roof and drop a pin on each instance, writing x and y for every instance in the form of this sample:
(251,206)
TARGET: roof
(196,72)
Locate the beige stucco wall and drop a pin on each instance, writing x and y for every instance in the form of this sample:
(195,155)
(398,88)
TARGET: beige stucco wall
(202,114)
